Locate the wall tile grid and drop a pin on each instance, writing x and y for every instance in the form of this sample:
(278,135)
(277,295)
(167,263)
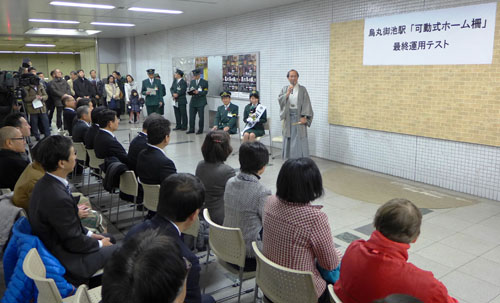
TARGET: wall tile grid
(297,36)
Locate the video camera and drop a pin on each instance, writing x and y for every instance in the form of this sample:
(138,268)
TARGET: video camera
(11,86)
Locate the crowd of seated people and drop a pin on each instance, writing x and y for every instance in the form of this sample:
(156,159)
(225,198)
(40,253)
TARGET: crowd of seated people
(153,261)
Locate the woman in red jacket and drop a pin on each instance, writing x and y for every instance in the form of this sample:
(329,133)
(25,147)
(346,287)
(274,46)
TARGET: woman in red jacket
(379,267)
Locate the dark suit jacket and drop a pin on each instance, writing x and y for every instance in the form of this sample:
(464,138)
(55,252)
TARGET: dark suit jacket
(90,136)
(53,215)
(137,145)
(106,146)
(68,118)
(12,165)
(199,99)
(80,129)
(83,87)
(193,294)
(153,166)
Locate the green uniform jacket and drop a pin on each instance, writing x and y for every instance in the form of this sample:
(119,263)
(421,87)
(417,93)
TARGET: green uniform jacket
(259,126)
(200,99)
(152,100)
(222,118)
(180,89)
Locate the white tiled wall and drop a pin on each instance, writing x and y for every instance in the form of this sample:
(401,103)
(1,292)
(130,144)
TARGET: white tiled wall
(297,36)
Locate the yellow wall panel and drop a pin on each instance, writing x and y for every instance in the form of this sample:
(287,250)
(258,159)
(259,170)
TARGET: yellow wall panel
(452,102)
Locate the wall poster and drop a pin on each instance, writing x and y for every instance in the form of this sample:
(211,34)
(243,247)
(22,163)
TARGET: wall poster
(240,74)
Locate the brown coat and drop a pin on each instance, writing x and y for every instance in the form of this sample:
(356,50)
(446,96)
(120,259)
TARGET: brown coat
(25,184)
(31,94)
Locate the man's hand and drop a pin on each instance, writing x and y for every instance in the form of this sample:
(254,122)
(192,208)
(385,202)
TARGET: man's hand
(175,95)
(106,242)
(214,128)
(226,128)
(303,120)
(97,97)
(148,93)
(160,104)
(38,97)
(195,92)
(83,212)
(289,90)
(98,237)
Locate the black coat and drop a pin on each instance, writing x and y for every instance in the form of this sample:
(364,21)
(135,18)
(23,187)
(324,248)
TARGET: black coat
(137,145)
(83,87)
(193,294)
(53,215)
(69,116)
(153,166)
(12,165)
(106,146)
(90,136)
(80,129)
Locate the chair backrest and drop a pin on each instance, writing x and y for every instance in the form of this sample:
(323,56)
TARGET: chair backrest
(82,295)
(281,284)
(4,191)
(333,296)
(94,162)
(226,242)
(33,267)
(129,184)
(151,195)
(81,152)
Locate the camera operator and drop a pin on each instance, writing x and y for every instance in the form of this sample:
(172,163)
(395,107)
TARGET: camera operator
(34,102)
(58,88)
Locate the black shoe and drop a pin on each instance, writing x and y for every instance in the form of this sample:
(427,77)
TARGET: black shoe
(177,128)
(199,132)
(141,207)
(183,128)
(190,132)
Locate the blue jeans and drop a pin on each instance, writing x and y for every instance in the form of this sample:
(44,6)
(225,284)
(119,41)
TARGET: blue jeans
(44,119)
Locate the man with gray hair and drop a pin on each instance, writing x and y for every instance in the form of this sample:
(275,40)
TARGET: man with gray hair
(12,163)
(82,124)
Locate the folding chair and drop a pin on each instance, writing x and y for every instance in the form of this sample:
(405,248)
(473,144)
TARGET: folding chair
(333,296)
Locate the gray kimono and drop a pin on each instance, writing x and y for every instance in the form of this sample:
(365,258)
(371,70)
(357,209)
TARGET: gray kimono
(295,136)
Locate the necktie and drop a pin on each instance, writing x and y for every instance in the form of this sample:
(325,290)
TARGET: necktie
(68,190)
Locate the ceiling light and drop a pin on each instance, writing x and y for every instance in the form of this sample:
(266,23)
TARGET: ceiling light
(32,52)
(154,10)
(47,53)
(53,21)
(61,32)
(85,5)
(112,24)
(39,45)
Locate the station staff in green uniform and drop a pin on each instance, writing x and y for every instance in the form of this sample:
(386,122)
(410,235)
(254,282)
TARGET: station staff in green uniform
(198,89)
(153,96)
(227,115)
(178,91)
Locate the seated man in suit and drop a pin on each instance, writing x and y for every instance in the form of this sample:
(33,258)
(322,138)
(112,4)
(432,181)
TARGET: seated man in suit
(140,142)
(53,215)
(105,143)
(153,165)
(69,113)
(94,128)
(148,256)
(181,197)
(82,124)
(227,115)
(12,162)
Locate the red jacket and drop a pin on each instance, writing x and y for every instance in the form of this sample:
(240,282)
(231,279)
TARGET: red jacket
(376,268)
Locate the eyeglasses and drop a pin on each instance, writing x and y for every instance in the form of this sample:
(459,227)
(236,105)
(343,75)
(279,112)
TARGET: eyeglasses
(21,138)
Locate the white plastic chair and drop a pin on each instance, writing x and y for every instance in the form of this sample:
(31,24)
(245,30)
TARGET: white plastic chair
(81,155)
(333,296)
(281,284)
(84,295)
(151,195)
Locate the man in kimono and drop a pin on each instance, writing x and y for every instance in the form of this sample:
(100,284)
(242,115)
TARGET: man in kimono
(297,114)
(198,89)
(151,89)
(178,91)
(226,118)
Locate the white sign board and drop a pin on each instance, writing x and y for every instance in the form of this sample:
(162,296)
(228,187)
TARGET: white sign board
(461,35)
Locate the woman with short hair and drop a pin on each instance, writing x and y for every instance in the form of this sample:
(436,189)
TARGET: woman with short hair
(297,234)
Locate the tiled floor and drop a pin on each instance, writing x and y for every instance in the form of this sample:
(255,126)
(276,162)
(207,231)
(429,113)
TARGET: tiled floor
(460,246)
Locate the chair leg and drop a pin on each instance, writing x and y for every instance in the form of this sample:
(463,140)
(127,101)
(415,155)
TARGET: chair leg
(241,284)
(206,265)
(255,293)
(117,209)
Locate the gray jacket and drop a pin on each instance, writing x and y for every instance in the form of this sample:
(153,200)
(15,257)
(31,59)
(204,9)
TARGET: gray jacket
(214,176)
(304,108)
(58,88)
(244,201)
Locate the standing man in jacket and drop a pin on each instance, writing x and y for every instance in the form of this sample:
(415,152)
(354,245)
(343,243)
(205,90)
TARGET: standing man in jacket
(198,89)
(34,101)
(151,89)
(58,88)
(178,91)
(82,86)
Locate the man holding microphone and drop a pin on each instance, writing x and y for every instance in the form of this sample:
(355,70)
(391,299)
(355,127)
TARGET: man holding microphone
(297,114)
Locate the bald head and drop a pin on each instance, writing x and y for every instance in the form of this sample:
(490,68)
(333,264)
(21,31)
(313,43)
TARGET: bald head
(11,138)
